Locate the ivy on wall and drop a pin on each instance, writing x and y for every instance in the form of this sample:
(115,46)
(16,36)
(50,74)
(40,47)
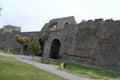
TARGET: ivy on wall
(92,29)
(44,36)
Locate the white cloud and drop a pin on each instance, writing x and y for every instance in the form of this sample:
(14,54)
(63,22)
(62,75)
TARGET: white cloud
(31,15)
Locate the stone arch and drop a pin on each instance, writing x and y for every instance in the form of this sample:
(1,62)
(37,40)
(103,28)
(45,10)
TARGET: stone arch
(55,49)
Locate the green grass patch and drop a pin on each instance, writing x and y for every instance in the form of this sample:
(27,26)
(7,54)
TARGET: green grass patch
(91,72)
(6,51)
(55,62)
(12,69)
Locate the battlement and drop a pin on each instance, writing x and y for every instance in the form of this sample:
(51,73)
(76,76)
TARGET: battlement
(101,20)
(60,23)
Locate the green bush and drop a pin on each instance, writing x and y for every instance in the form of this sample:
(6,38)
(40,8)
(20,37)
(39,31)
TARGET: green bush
(6,51)
(92,30)
(34,47)
(44,36)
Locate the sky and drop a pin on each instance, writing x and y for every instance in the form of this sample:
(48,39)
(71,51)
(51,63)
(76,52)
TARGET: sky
(31,15)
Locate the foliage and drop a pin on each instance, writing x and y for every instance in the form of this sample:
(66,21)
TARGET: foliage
(34,47)
(55,62)
(6,51)
(12,69)
(21,40)
(92,30)
(87,71)
(44,36)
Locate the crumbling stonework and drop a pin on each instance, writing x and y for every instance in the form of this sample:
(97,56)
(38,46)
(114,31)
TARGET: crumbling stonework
(7,38)
(8,42)
(9,29)
(95,43)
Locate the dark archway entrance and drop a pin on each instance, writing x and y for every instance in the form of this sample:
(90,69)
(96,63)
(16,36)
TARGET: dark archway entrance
(42,46)
(55,49)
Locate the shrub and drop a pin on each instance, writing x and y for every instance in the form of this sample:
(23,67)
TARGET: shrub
(92,30)
(44,36)
(34,47)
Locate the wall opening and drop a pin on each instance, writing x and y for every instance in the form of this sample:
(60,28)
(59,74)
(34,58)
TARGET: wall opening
(25,49)
(66,23)
(55,49)
(42,46)
(53,26)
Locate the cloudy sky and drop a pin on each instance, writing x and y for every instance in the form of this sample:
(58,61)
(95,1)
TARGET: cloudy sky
(31,15)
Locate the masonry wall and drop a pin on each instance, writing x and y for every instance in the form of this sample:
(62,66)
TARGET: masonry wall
(94,43)
(100,48)
(8,42)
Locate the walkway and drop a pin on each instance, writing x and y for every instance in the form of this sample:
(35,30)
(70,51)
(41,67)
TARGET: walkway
(47,67)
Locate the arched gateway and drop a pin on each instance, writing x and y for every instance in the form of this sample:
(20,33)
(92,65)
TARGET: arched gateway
(55,49)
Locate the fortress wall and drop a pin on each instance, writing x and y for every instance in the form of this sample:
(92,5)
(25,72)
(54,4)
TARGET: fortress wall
(8,42)
(94,43)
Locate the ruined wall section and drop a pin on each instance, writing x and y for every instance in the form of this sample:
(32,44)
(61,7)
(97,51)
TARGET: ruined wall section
(94,43)
(9,29)
(59,29)
(66,38)
(8,42)
(58,24)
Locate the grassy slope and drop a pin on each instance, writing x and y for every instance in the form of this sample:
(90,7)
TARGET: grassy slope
(11,69)
(81,70)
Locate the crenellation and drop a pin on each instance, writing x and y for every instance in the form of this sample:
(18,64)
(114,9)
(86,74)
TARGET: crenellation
(109,20)
(90,21)
(99,20)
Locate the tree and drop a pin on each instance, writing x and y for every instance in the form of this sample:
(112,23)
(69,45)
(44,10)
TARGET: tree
(34,47)
(21,40)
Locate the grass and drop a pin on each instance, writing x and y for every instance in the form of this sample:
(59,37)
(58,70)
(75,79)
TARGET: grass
(11,69)
(91,72)
(55,62)
(6,51)
(78,70)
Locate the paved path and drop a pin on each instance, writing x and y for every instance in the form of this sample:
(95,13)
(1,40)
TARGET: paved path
(48,67)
